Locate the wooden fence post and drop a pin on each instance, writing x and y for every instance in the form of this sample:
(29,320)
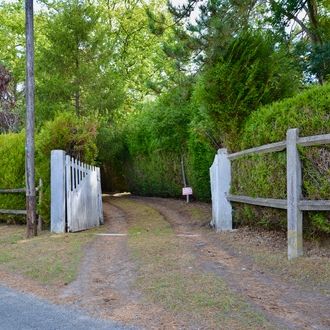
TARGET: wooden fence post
(294,181)
(40,193)
(58,191)
(222,217)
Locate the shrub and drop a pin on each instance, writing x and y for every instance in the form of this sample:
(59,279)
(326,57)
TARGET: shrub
(265,176)
(77,136)
(12,170)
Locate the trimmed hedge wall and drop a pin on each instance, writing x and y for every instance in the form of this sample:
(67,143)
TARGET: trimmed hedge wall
(75,135)
(265,175)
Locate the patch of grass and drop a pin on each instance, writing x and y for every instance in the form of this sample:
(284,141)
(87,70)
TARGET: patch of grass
(48,258)
(168,275)
(198,214)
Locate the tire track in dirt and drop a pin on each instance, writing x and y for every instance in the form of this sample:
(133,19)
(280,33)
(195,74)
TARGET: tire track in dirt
(288,306)
(105,284)
(106,273)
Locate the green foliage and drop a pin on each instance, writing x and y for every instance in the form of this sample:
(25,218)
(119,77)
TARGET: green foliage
(112,155)
(156,139)
(308,111)
(71,66)
(200,158)
(249,73)
(157,174)
(71,133)
(67,132)
(76,136)
(12,169)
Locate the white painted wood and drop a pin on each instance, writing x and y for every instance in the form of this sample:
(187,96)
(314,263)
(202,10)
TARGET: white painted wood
(314,140)
(220,174)
(214,190)
(268,202)
(84,199)
(294,194)
(278,146)
(57,209)
(68,186)
(76,194)
(99,195)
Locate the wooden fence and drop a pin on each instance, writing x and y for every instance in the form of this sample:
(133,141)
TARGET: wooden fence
(220,174)
(76,197)
(23,191)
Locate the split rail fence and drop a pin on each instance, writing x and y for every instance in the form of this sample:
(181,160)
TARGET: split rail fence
(22,191)
(220,175)
(76,196)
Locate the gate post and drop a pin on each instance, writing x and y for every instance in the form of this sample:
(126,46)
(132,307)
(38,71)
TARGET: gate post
(294,180)
(57,181)
(221,180)
(99,195)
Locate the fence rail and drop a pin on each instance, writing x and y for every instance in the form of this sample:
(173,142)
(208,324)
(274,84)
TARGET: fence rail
(14,212)
(220,175)
(23,212)
(269,202)
(267,148)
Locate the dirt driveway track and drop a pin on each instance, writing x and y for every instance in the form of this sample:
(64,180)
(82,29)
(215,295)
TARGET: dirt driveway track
(106,284)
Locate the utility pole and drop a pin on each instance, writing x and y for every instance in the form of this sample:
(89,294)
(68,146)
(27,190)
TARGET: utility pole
(31,219)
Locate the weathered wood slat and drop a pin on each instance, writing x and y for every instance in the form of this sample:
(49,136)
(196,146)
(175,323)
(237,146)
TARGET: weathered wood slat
(278,146)
(315,205)
(15,212)
(12,191)
(268,202)
(314,140)
(15,190)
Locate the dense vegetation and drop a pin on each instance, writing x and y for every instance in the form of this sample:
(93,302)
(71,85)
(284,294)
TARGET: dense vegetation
(66,132)
(160,87)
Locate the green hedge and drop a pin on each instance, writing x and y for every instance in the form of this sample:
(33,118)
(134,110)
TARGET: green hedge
(147,148)
(75,135)
(12,169)
(265,175)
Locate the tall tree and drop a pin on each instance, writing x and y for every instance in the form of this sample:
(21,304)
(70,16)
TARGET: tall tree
(306,24)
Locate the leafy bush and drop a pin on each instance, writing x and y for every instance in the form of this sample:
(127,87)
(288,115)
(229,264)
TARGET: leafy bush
(265,175)
(111,157)
(156,140)
(75,135)
(241,78)
(12,169)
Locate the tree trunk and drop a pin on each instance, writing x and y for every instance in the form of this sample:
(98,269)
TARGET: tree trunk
(29,144)
(77,87)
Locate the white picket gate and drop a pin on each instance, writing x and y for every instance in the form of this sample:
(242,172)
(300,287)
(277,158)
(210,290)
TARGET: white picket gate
(76,197)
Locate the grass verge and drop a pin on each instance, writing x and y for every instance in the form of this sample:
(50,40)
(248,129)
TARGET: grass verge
(47,259)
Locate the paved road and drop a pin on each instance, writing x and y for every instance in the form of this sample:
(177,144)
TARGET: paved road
(25,312)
